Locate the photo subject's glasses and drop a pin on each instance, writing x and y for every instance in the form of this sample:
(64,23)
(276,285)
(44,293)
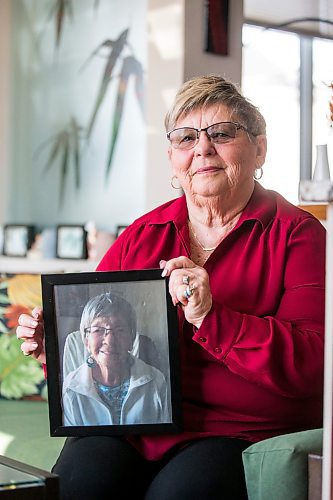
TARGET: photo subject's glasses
(218,133)
(101,331)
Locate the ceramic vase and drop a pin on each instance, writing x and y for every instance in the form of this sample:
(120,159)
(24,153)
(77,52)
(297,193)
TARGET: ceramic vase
(321,170)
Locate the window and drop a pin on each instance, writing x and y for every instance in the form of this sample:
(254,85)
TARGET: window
(277,67)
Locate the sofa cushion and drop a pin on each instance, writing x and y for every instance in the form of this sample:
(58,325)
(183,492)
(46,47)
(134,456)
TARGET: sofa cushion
(277,468)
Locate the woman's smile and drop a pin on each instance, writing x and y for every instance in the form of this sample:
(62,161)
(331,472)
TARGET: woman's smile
(208,170)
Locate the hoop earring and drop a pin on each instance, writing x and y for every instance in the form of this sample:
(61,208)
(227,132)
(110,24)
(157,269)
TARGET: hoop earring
(258,175)
(91,362)
(172,184)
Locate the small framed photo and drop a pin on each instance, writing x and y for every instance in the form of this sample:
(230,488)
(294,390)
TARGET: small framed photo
(71,242)
(17,239)
(111,341)
(120,229)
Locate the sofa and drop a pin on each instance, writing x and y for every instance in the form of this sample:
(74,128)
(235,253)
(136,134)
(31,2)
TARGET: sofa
(277,468)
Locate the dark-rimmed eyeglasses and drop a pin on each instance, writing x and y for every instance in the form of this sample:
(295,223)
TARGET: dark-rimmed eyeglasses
(218,133)
(101,331)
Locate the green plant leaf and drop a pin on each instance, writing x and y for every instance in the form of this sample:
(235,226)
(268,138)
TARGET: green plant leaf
(76,152)
(64,168)
(66,149)
(3,284)
(19,375)
(3,327)
(60,8)
(116,47)
(4,298)
(130,66)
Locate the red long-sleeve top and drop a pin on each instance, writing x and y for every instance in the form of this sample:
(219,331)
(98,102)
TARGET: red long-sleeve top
(254,369)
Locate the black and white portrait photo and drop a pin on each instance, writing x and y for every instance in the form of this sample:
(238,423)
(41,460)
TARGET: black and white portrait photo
(115,347)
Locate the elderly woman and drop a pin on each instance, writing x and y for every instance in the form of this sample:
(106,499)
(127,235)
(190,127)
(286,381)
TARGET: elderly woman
(112,386)
(246,272)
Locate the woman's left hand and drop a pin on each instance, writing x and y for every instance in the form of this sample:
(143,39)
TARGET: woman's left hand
(188,286)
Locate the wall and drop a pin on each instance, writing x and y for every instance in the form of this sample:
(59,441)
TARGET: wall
(174,43)
(176,53)
(4,105)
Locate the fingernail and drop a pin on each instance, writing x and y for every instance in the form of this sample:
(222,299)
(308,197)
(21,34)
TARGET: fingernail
(33,345)
(164,273)
(33,323)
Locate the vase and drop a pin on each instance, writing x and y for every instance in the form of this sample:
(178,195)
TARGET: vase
(321,170)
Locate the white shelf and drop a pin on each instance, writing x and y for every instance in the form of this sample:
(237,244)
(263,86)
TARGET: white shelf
(35,266)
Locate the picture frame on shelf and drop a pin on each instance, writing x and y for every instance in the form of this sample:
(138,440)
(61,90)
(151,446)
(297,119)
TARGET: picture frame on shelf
(120,229)
(121,319)
(17,239)
(71,242)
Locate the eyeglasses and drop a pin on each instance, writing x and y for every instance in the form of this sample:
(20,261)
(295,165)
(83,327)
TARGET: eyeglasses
(218,133)
(101,331)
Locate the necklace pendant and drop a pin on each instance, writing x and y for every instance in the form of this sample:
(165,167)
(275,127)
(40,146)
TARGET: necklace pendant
(207,249)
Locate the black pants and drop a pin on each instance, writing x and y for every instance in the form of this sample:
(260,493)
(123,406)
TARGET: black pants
(92,468)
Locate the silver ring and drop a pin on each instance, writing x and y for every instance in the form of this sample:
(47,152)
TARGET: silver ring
(186,280)
(188,292)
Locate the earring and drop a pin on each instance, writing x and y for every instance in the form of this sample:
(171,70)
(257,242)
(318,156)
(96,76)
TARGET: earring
(172,182)
(258,173)
(91,362)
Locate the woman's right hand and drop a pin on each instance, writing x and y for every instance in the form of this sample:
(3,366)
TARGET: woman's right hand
(31,331)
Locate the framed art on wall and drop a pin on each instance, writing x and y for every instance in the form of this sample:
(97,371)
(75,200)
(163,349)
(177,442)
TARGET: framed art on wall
(217,14)
(111,342)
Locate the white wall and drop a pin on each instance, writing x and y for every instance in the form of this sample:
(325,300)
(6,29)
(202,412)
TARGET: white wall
(175,52)
(4,106)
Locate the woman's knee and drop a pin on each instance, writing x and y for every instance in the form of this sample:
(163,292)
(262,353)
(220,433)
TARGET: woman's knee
(210,468)
(98,467)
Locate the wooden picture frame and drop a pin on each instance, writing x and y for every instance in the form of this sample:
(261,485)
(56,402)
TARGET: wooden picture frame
(17,239)
(71,242)
(132,332)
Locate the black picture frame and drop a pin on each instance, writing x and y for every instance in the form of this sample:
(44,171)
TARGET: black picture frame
(120,229)
(71,242)
(17,239)
(154,355)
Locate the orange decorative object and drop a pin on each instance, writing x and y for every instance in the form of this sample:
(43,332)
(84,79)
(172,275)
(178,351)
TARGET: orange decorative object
(12,314)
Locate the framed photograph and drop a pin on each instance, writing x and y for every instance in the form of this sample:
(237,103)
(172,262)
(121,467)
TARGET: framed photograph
(120,229)
(217,15)
(71,242)
(112,353)
(17,239)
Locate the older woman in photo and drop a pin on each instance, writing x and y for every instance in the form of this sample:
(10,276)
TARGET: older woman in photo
(247,274)
(113,387)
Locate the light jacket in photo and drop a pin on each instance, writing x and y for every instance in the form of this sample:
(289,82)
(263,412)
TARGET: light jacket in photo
(147,400)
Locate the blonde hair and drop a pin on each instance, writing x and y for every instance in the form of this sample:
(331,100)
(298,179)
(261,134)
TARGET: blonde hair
(204,91)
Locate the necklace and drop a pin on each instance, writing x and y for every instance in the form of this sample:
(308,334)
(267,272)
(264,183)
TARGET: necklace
(232,224)
(205,249)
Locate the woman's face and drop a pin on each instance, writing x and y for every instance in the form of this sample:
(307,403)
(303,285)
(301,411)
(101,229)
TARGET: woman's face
(105,346)
(216,169)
